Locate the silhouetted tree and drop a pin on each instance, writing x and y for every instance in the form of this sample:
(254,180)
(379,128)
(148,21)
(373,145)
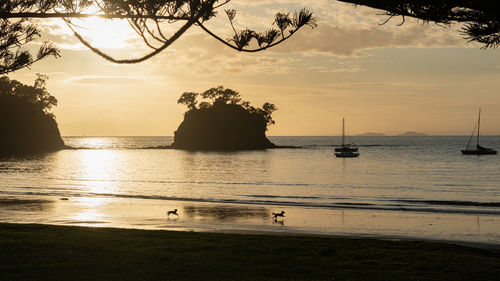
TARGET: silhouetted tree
(147,19)
(481,18)
(212,93)
(230,96)
(36,94)
(219,96)
(189,99)
(267,110)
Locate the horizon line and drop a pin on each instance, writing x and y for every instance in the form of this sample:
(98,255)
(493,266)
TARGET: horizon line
(356,135)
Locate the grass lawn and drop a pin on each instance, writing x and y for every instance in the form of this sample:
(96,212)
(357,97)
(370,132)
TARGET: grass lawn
(42,252)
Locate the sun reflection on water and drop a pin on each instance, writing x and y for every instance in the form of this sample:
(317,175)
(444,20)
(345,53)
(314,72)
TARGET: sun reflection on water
(90,210)
(99,168)
(96,142)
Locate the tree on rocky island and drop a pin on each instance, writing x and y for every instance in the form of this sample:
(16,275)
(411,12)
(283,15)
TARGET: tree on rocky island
(222,121)
(189,99)
(151,20)
(26,124)
(220,96)
(36,94)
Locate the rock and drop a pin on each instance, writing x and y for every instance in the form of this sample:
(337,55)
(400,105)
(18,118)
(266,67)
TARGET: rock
(222,127)
(26,129)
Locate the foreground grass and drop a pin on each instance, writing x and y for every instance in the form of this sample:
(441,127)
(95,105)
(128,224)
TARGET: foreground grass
(41,252)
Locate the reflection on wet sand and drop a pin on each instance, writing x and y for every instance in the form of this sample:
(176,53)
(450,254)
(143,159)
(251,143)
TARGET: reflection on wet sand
(280,222)
(226,213)
(25,205)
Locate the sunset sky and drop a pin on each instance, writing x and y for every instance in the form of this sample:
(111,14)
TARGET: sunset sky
(381,78)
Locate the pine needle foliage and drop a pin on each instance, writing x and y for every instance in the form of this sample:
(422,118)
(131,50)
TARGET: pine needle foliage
(152,20)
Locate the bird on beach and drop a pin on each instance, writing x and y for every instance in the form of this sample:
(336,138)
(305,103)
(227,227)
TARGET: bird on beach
(172,212)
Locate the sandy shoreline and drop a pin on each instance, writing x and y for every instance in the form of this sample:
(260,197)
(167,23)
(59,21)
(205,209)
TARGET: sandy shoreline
(240,218)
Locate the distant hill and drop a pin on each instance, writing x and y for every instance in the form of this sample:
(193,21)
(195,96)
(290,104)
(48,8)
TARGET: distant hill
(370,134)
(412,134)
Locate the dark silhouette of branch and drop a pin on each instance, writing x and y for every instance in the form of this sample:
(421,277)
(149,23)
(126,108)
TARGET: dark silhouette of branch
(481,18)
(146,18)
(82,15)
(13,35)
(269,38)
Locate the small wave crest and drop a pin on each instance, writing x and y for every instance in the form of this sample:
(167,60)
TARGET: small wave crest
(432,206)
(452,203)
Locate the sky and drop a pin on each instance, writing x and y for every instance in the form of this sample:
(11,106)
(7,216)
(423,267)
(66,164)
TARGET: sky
(382,78)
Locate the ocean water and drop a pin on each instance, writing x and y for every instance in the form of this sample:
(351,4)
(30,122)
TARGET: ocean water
(399,186)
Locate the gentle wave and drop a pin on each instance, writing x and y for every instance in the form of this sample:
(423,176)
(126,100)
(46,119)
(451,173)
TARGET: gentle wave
(186,182)
(358,145)
(452,203)
(461,207)
(168,147)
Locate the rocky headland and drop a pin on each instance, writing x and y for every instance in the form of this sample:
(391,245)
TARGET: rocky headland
(26,127)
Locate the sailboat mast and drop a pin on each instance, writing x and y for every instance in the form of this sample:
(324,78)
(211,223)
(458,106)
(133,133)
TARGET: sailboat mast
(478,124)
(343,132)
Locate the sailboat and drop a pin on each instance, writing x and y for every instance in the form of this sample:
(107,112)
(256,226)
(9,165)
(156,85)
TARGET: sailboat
(346,150)
(470,149)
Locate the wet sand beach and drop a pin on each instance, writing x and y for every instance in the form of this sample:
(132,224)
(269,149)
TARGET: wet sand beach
(251,218)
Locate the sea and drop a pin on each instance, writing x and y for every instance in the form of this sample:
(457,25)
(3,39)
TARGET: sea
(398,188)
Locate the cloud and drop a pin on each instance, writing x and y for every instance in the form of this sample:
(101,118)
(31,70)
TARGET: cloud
(106,80)
(350,41)
(344,30)
(349,69)
(199,54)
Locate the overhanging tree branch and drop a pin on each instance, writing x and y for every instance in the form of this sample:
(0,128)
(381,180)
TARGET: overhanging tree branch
(147,19)
(481,18)
(135,60)
(82,15)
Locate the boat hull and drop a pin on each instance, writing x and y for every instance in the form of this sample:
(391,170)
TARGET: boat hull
(345,154)
(479,152)
(346,148)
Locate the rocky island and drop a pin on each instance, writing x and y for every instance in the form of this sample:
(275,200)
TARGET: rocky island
(222,121)
(26,125)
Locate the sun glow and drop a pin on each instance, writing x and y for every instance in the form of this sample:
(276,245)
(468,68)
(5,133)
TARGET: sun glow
(105,33)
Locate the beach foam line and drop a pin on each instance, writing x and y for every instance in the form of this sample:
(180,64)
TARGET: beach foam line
(451,203)
(459,209)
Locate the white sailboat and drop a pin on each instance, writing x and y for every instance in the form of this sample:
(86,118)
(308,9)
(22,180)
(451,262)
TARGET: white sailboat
(471,149)
(346,150)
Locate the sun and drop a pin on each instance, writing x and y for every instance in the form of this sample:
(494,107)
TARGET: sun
(107,34)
